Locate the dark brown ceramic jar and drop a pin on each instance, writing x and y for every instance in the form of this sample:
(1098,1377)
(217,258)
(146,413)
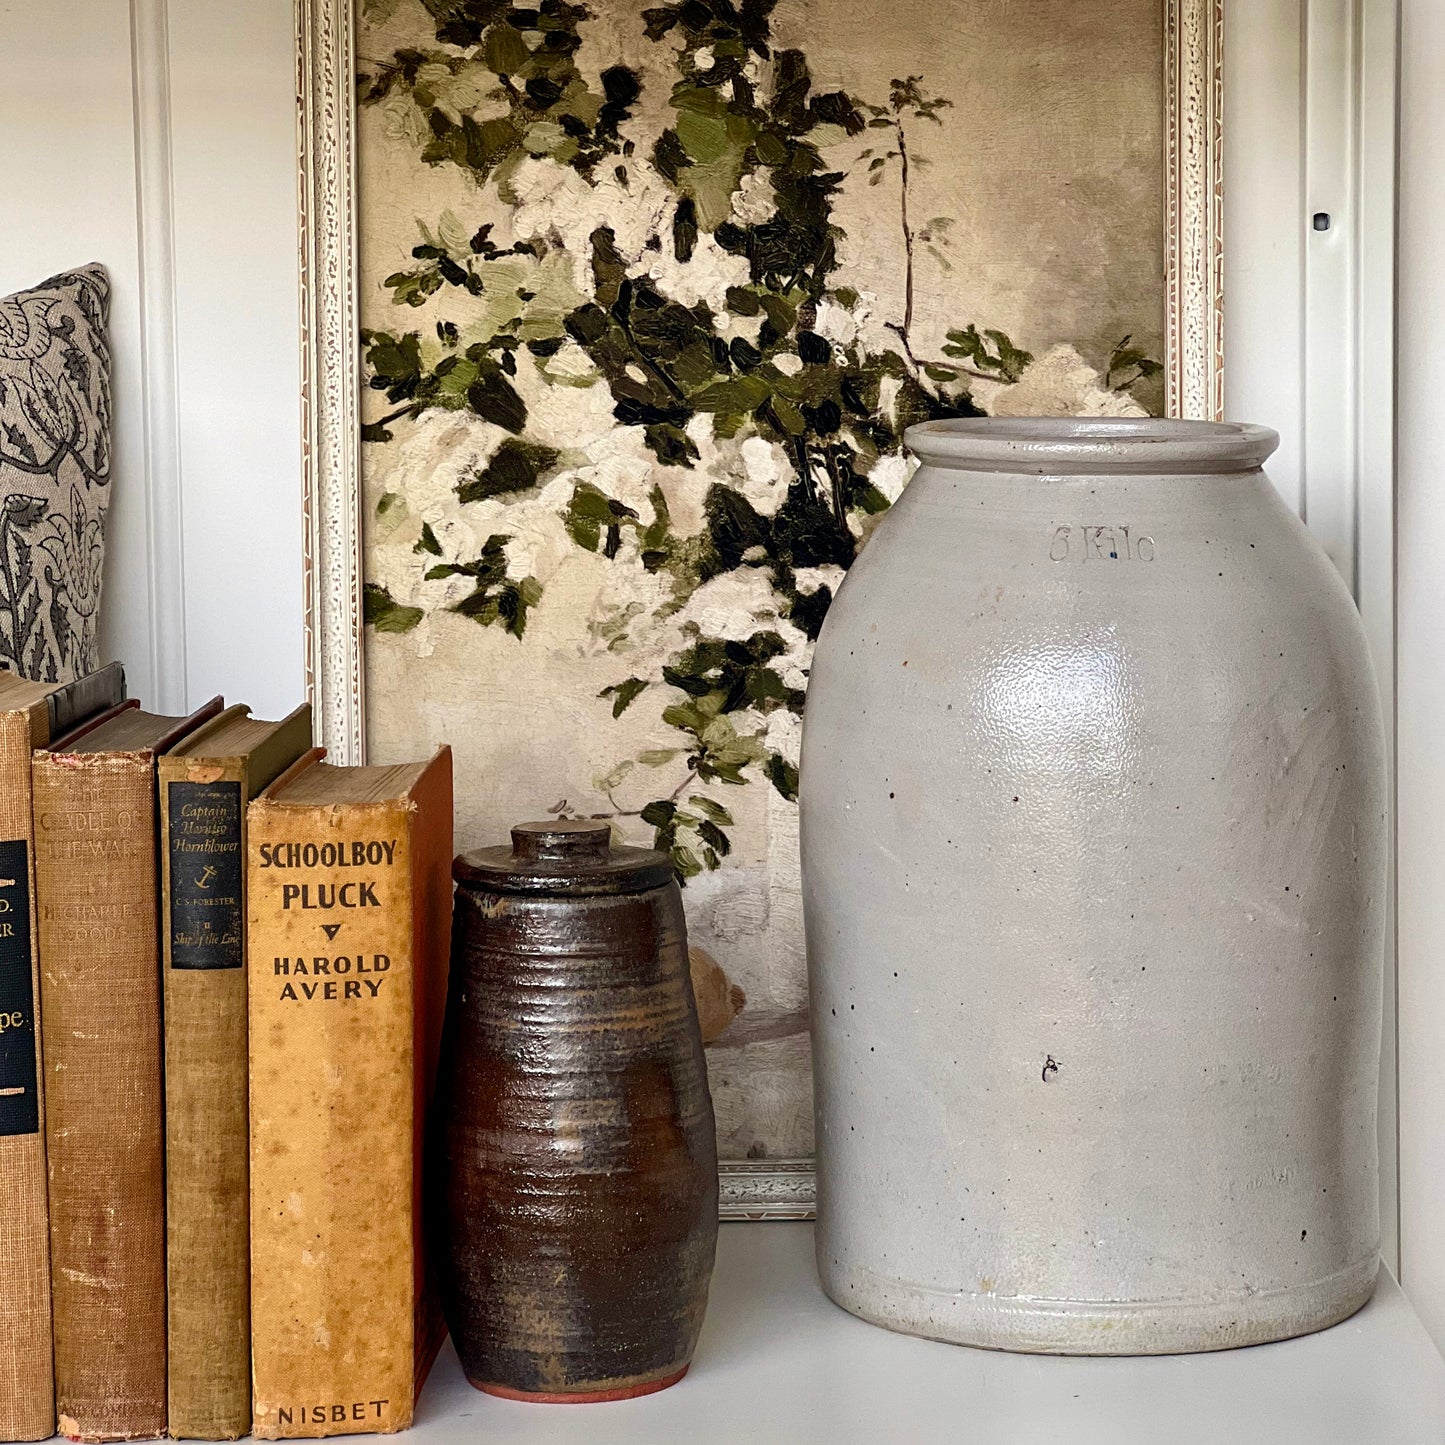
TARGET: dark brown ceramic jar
(576,1165)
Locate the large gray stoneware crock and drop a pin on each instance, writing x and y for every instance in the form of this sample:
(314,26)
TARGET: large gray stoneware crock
(1093,816)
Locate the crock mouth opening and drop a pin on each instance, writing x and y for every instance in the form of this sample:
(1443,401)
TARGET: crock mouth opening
(1071,446)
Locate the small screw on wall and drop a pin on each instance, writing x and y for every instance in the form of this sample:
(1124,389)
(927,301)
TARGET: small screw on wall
(1322,220)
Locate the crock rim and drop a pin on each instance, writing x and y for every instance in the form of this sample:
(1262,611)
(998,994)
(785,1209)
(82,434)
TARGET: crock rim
(1073,446)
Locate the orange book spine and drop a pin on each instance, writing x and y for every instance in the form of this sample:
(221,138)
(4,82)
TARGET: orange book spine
(95,875)
(345,974)
(203,967)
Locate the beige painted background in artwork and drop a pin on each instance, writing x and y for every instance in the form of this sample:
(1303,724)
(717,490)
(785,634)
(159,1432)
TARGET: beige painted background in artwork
(1049,166)
(1047,174)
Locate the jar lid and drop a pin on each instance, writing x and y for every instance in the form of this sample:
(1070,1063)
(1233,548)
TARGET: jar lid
(566,856)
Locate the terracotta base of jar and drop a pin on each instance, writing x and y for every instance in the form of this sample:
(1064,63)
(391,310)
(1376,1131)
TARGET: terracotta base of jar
(586,1397)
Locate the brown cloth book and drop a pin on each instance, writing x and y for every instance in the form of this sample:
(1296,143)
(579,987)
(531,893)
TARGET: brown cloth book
(205,784)
(349,909)
(29,713)
(100,1019)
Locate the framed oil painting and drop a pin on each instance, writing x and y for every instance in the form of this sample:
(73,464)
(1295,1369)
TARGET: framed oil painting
(616,311)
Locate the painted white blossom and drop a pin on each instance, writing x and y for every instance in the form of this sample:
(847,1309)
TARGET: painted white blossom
(873,325)
(784,732)
(440,451)
(755,200)
(685,488)
(539,542)
(892,473)
(862,324)
(836,323)
(623,617)
(432,456)
(888,390)
(443,451)
(765,474)
(569,365)
(398,567)
(553,202)
(706,277)
(809,579)
(788,362)
(729,325)
(455,537)
(566,418)
(734,605)
(1062,383)
(620,465)
(699,428)
(402,119)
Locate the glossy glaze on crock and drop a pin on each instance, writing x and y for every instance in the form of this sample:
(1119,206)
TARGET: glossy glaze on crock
(576,1186)
(1093,820)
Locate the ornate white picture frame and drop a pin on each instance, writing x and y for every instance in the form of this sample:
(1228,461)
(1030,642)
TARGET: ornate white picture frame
(331,382)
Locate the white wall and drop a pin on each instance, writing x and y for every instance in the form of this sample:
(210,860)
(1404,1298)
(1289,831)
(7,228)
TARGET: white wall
(1263,236)
(125,144)
(1421,658)
(68,196)
(237,346)
(1310,127)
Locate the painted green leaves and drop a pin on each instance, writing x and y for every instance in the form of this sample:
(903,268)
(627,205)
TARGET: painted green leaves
(478,378)
(735,674)
(516,466)
(990,352)
(724,132)
(1129,364)
(594,520)
(495,598)
(720,682)
(521,58)
(691,833)
(379,609)
(650,349)
(624,693)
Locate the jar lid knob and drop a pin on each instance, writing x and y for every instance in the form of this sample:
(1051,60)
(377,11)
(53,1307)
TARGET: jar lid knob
(563,840)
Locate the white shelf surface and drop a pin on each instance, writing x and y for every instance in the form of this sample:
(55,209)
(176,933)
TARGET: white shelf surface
(779,1364)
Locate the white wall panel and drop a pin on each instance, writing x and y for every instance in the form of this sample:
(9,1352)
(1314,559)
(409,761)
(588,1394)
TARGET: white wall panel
(233,134)
(68,196)
(1263,236)
(1421,658)
(1310,128)
(160,140)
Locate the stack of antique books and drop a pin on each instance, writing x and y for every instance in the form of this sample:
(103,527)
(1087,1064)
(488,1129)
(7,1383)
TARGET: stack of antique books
(222,970)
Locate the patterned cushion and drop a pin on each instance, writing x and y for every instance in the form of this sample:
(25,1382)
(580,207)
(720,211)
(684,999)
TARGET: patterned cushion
(54,473)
